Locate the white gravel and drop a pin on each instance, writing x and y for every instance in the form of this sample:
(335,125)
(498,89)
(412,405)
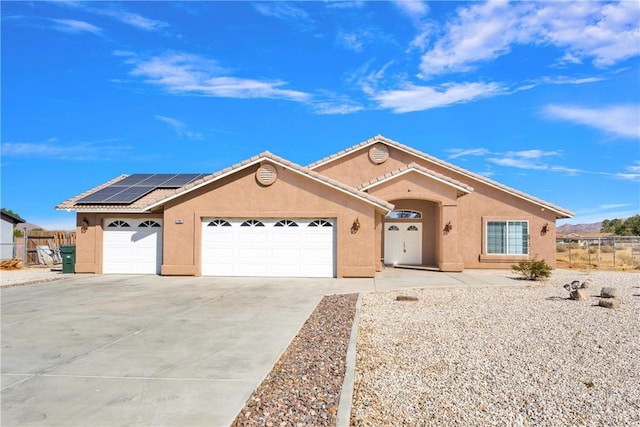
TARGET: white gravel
(24,276)
(524,356)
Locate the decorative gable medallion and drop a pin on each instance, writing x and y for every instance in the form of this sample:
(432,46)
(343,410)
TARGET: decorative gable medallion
(266,174)
(379,153)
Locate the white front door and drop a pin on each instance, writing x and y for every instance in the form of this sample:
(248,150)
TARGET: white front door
(403,243)
(294,247)
(132,246)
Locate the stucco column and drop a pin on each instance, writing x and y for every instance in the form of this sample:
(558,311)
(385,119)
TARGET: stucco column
(450,259)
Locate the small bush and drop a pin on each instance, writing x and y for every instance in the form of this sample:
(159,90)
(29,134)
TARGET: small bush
(533,269)
(606,249)
(561,247)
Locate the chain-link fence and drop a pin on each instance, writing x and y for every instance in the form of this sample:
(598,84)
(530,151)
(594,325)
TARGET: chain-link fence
(610,252)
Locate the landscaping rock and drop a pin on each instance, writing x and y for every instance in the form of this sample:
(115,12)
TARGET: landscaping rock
(406,298)
(586,284)
(609,303)
(609,293)
(578,295)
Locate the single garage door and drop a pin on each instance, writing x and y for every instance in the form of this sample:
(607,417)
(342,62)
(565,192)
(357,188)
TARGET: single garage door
(268,247)
(132,246)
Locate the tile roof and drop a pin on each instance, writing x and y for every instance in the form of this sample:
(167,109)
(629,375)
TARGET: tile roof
(159,197)
(564,213)
(285,163)
(462,188)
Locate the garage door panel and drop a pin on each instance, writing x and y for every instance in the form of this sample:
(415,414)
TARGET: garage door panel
(277,248)
(284,238)
(129,248)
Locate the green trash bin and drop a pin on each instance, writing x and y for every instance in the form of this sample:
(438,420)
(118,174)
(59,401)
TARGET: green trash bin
(68,259)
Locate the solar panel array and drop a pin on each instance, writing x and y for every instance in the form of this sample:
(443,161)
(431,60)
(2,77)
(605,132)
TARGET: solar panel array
(133,187)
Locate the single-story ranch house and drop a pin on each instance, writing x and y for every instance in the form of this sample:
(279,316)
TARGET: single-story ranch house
(376,203)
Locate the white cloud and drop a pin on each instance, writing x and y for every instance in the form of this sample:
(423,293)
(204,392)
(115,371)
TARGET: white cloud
(345,4)
(632,173)
(527,159)
(285,11)
(54,149)
(180,128)
(614,206)
(354,40)
(454,153)
(604,33)
(119,14)
(76,27)
(414,9)
(181,73)
(418,98)
(133,19)
(619,120)
(327,102)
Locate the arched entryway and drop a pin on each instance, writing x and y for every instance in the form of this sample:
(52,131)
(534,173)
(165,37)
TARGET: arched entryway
(409,233)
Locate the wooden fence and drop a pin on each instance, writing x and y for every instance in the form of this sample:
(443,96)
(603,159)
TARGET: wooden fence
(51,239)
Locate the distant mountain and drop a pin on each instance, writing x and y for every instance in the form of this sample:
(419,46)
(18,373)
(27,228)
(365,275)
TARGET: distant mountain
(579,228)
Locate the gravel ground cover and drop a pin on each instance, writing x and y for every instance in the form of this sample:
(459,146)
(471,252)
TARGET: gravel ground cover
(303,388)
(25,276)
(523,356)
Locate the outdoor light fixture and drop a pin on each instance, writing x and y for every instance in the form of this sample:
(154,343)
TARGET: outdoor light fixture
(544,229)
(84,225)
(355,226)
(448,227)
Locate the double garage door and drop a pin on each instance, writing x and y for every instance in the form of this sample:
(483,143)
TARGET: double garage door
(230,247)
(268,247)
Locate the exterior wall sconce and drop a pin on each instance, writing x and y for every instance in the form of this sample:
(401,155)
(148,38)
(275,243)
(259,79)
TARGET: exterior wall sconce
(84,225)
(545,229)
(355,226)
(448,227)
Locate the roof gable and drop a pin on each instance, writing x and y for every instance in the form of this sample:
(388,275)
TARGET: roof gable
(413,167)
(560,212)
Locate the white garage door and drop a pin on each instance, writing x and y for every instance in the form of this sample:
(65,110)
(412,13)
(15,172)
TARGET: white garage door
(268,247)
(132,246)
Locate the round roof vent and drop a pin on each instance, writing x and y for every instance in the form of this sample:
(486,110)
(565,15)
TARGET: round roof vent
(266,174)
(379,153)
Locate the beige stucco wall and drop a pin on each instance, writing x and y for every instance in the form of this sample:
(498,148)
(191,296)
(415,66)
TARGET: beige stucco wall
(290,196)
(464,244)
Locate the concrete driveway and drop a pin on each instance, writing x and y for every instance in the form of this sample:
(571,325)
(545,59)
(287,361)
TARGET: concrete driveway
(161,351)
(144,350)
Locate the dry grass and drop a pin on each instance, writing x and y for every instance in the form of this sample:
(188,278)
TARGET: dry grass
(605,257)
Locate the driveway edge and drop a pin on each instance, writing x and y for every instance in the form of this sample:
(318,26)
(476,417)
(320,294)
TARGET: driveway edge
(346,395)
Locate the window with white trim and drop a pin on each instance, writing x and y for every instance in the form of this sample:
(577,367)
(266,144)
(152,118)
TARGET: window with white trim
(286,223)
(149,223)
(118,224)
(320,223)
(507,237)
(252,223)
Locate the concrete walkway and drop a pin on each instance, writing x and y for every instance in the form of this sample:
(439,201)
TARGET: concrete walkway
(162,351)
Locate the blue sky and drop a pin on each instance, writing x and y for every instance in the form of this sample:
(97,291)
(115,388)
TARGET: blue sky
(543,97)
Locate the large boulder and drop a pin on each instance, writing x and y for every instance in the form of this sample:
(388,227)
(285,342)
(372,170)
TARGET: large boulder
(609,293)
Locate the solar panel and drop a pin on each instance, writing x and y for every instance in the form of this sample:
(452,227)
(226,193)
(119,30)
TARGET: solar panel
(133,179)
(181,179)
(157,179)
(101,195)
(129,195)
(133,187)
